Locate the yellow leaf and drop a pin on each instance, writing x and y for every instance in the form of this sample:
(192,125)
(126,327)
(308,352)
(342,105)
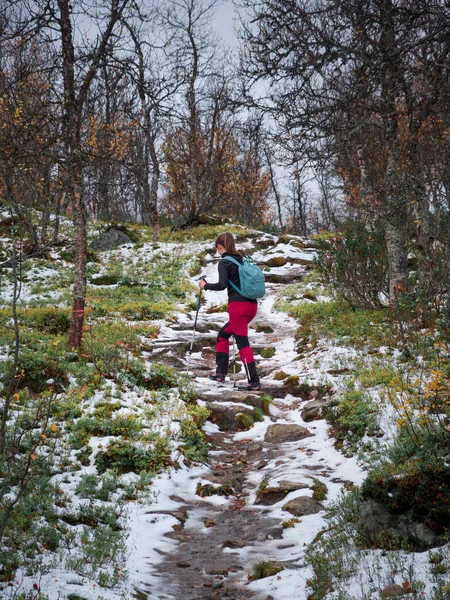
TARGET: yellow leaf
(54,427)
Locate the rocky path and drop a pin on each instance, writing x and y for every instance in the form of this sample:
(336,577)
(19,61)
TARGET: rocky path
(257,499)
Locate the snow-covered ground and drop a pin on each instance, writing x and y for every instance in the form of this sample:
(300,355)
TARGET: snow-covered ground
(146,541)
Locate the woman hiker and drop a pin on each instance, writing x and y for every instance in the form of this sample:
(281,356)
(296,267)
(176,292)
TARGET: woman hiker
(241,312)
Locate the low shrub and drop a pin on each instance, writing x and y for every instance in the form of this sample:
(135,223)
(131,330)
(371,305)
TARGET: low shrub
(352,417)
(195,447)
(49,320)
(38,369)
(335,319)
(355,263)
(124,457)
(146,310)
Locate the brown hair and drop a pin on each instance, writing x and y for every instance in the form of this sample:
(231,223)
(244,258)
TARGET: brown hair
(227,241)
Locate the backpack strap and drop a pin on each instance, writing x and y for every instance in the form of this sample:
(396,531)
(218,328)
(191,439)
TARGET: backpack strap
(236,262)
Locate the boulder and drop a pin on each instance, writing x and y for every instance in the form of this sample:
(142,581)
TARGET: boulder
(278,433)
(110,240)
(303,505)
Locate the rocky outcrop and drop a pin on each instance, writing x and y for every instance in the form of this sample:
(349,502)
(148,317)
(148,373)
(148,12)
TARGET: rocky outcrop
(226,417)
(375,519)
(279,433)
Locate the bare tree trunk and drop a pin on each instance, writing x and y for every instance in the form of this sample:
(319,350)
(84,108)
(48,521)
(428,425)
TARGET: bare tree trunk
(16,265)
(194,188)
(273,183)
(154,190)
(396,196)
(73,107)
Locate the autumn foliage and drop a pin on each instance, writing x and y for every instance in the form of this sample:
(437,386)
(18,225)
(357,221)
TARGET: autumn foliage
(230,179)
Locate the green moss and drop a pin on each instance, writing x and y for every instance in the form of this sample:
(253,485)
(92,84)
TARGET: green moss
(268,352)
(259,328)
(280,375)
(277,261)
(320,490)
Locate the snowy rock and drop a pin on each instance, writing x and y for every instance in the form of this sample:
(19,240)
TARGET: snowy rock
(289,432)
(313,410)
(303,505)
(272,495)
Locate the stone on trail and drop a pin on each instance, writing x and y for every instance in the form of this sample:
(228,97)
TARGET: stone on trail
(278,433)
(233,544)
(303,505)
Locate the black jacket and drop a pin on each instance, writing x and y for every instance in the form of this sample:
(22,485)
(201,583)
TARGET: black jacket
(229,271)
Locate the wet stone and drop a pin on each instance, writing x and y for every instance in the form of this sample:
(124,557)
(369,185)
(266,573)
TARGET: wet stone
(233,544)
(183,565)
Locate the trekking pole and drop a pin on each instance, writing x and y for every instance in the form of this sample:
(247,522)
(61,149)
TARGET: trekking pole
(195,325)
(234,362)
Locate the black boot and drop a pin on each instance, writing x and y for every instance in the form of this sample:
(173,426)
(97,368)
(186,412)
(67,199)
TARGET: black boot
(254,384)
(222,359)
(219,377)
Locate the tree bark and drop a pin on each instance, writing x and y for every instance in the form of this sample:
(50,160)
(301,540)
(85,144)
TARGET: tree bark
(73,104)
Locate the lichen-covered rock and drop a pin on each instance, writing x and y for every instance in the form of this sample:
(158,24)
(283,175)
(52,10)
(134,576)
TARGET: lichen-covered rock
(277,433)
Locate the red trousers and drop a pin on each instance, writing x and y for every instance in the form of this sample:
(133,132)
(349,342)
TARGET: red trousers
(240,315)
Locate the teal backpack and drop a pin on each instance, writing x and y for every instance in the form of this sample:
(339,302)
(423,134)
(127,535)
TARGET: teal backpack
(251,277)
